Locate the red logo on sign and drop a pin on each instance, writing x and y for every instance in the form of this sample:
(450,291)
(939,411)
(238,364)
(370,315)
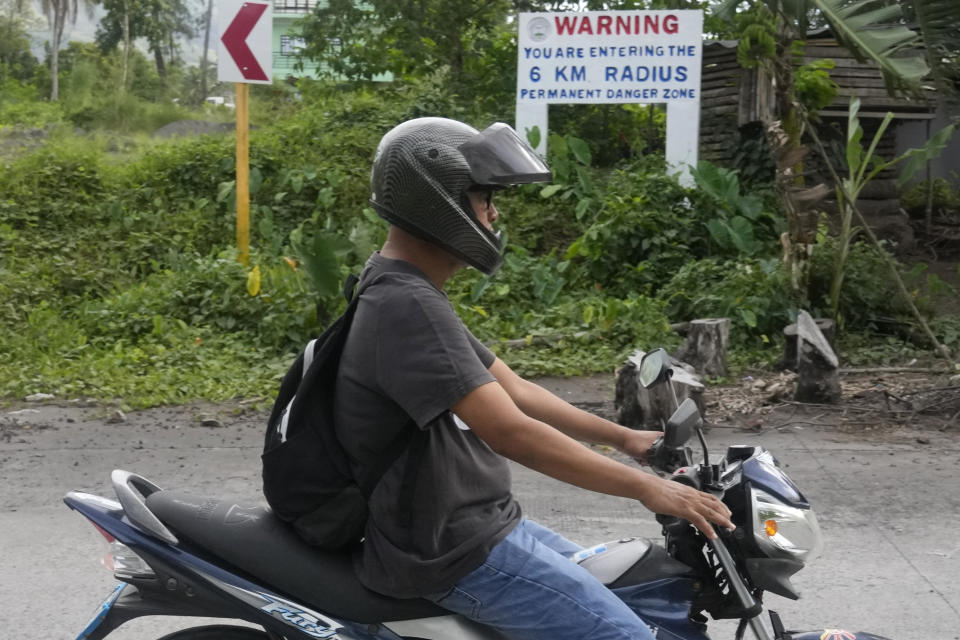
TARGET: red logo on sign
(235,40)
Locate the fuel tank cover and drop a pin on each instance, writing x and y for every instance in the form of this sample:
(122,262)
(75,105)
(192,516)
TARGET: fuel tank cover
(609,561)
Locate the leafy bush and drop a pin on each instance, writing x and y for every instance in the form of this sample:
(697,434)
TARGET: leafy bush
(57,186)
(945,197)
(50,353)
(126,113)
(644,231)
(867,299)
(573,336)
(20,105)
(739,223)
(118,276)
(752,293)
(209,293)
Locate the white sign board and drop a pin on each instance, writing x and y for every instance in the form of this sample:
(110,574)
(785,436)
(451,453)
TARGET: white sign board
(603,57)
(245,48)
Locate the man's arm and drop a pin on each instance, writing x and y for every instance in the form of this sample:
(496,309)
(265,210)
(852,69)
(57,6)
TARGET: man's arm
(492,414)
(538,403)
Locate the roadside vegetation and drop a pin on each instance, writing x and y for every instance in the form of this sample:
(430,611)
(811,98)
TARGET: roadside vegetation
(119,279)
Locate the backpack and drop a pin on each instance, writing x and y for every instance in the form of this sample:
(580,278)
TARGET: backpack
(307,479)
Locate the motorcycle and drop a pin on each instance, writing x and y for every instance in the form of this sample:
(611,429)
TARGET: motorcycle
(175,554)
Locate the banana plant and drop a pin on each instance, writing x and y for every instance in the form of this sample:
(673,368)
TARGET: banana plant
(862,167)
(872,31)
(869,31)
(939,23)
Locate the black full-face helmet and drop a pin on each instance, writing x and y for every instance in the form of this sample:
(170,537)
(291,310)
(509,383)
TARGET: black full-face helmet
(424,168)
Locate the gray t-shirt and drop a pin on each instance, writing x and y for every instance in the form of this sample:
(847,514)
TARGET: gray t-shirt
(409,357)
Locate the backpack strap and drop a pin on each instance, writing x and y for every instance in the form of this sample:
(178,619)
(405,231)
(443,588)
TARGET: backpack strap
(337,331)
(348,287)
(307,361)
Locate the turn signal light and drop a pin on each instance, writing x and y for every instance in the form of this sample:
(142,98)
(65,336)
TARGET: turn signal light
(770,526)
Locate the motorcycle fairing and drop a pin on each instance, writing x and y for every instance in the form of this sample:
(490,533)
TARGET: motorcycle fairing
(664,605)
(654,564)
(313,624)
(764,471)
(101,613)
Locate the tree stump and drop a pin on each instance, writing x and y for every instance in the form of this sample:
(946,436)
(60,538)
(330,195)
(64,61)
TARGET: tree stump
(641,408)
(827,327)
(706,347)
(818,380)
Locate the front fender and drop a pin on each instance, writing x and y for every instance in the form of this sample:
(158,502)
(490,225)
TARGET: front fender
(834,634)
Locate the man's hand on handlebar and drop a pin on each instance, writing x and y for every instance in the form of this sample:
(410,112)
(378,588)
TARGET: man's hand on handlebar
(676,499)
(636,444)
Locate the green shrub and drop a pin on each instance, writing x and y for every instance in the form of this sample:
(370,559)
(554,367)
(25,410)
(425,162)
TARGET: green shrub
(50,353)
(126,113)
(752,293)
(209,293)
(739,224)
(119,279)
(645,230)
(28,113)
(945,197)
(57,186)
(574,336)
(867,295)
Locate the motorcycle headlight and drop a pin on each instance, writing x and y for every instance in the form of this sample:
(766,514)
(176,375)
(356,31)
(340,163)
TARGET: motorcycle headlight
(783,531)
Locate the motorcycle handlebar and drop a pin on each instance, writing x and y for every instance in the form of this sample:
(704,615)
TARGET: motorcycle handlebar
(668,460)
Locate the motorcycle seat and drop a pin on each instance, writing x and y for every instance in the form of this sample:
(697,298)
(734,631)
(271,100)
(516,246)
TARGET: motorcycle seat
(258,543)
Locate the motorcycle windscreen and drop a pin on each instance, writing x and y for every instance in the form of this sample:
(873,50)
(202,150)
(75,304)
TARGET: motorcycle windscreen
(498,157)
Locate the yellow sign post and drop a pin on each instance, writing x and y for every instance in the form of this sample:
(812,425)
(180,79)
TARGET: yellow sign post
(243,172)
(244,57)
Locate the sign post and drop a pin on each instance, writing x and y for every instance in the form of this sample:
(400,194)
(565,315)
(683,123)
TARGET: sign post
(242,101)
(244,52)
(608,57)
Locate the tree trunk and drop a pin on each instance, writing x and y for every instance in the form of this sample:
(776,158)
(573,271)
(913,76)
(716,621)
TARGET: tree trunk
(161,67)
(784,137)
(126,46)
(827,327)
(641,408)
(203,57)
(706,347)
(59,9)
(818,380)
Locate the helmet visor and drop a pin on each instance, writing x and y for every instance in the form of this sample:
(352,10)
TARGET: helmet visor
(497,156)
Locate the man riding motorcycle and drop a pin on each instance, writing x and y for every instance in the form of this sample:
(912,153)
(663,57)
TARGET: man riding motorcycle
(443,523)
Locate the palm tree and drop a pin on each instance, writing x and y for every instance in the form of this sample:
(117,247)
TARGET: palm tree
(58,13)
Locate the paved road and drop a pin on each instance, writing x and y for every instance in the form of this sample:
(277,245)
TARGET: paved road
(888,507)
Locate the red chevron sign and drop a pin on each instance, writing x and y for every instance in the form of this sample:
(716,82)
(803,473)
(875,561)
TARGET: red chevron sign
(246,42)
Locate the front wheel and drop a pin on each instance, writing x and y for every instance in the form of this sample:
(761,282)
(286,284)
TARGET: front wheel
(218,632)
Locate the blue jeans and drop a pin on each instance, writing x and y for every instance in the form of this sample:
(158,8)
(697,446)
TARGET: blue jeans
(528,589)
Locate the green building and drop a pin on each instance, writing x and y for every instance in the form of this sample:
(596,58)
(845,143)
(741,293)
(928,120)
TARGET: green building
(287,40)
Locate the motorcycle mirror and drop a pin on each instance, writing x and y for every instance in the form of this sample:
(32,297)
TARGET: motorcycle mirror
(654,367)
(681,425)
